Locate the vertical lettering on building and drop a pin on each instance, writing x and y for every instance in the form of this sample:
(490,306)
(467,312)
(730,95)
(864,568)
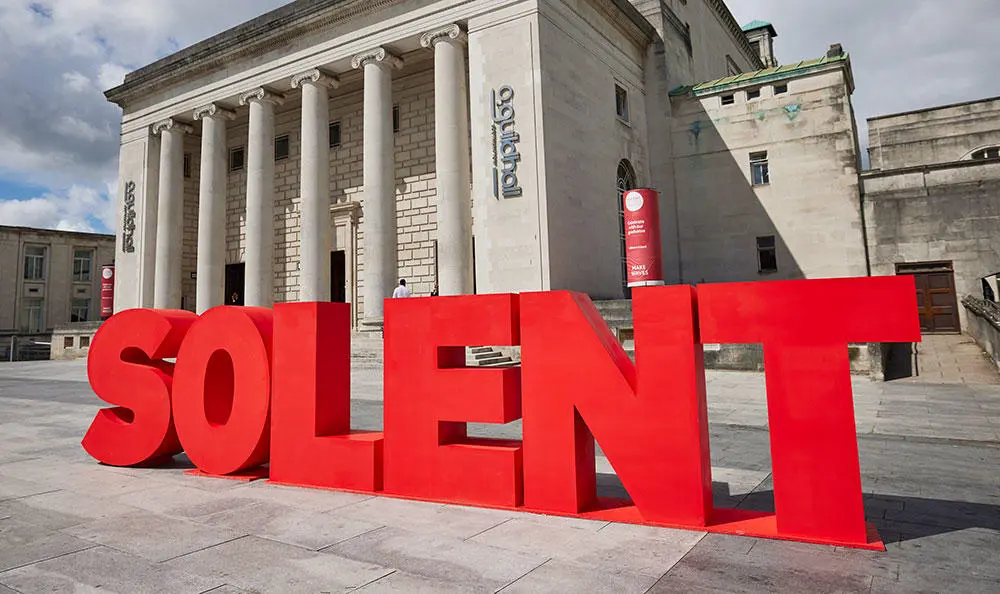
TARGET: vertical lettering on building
(128,219)
(505,141)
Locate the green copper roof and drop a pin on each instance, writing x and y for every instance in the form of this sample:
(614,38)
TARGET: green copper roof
(758,24)
(759,77)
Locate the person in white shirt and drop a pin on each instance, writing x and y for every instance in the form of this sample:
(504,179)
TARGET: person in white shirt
(402,290)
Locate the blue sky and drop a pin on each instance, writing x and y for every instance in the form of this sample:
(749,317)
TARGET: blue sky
(59,137)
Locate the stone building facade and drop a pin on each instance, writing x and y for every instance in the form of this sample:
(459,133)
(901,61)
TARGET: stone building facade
(50,278)
(328,148)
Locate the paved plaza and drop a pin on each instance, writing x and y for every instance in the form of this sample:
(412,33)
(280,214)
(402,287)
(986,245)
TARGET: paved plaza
(930,459)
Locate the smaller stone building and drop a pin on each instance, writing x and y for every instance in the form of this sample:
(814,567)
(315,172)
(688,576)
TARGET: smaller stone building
(50,278)
(932,203)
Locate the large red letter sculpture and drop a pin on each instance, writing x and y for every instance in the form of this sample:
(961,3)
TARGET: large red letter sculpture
(311,439)
(805,330)
(429,398)
(650,419)
(222,390)
(126,368)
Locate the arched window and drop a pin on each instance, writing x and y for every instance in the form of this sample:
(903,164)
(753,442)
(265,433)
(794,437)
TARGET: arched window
(626,181)
(990,152)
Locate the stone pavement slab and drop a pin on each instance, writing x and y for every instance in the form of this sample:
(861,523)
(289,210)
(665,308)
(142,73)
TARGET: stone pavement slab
(22,543)
(102,569)
(258,564)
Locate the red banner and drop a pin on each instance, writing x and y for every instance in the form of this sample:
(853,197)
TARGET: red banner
(642,238)
(107,292)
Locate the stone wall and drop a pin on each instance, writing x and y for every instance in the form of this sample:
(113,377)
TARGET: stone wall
(930,136)
(812,203)
(945,213)
(983,324)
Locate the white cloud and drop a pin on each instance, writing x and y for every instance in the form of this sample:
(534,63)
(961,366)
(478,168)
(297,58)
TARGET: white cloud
(77,82)
(78,208)
(111,75)
(68,125)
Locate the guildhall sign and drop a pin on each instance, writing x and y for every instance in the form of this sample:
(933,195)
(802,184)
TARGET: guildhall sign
(255,386)
(505,141)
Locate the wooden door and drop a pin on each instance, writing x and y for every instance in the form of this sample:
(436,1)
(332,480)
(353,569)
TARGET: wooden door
(936,297)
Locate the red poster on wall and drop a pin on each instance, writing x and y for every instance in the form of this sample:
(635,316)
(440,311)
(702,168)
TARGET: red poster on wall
(643,252)
(107,292)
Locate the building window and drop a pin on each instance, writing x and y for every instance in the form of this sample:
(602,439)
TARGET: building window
(756,48)
(34,263)
(753,94)
(395,118)
(80,311)
(780,89)
(767,255)
(728,99)
(282,148)
(760,173)
(236,158)
(33,315)
(992,152)
(335,138)
(621,103)
(187,165)
(83,266)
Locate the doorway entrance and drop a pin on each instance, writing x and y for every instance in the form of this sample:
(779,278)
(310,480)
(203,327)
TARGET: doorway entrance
(625,181)
(235,278)
(936,298)
(338,276)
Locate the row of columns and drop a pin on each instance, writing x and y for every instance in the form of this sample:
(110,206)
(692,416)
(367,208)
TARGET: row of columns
(316,234)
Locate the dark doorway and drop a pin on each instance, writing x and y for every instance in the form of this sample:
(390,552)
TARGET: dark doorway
(235,278)
(625,181)
(936,298)
(338,276)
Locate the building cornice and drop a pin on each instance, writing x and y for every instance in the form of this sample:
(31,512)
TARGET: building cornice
(734,27)
(253,38)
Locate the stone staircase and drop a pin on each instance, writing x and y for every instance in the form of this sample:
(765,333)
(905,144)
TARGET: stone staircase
(366,348)
(488,357)
(618,316)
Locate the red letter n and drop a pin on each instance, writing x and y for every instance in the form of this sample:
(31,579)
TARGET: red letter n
(430,396)
(805,327)
(650,418)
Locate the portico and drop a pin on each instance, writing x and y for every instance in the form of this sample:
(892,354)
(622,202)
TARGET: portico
(247,123)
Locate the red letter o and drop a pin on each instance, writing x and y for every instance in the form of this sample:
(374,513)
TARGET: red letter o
(222,390)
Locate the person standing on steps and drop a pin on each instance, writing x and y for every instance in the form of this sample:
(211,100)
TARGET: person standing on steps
(402,290)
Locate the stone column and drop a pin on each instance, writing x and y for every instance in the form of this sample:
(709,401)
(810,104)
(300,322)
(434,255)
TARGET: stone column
(259,289)
(212,207)
(451,143)
(169,214)
(315,233)
(379,180)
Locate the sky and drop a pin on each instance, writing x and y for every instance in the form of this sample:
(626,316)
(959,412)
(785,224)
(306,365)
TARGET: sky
(59,137)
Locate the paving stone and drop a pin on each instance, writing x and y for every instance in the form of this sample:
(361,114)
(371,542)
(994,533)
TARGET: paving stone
(304,528)
(151,536)
(12,488)
(104,570)
(558,577)
(301,497)
(633,549)
(426,518)
(257,564)
(399,582)
(447,559)
(23,544)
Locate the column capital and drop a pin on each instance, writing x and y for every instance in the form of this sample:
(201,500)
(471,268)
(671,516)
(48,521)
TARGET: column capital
(378,55)
(213,111)
(261,95)
(448,33)
(316,76)
(170,124)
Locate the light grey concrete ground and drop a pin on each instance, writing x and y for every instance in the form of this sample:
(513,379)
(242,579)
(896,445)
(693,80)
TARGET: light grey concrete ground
(930,458)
